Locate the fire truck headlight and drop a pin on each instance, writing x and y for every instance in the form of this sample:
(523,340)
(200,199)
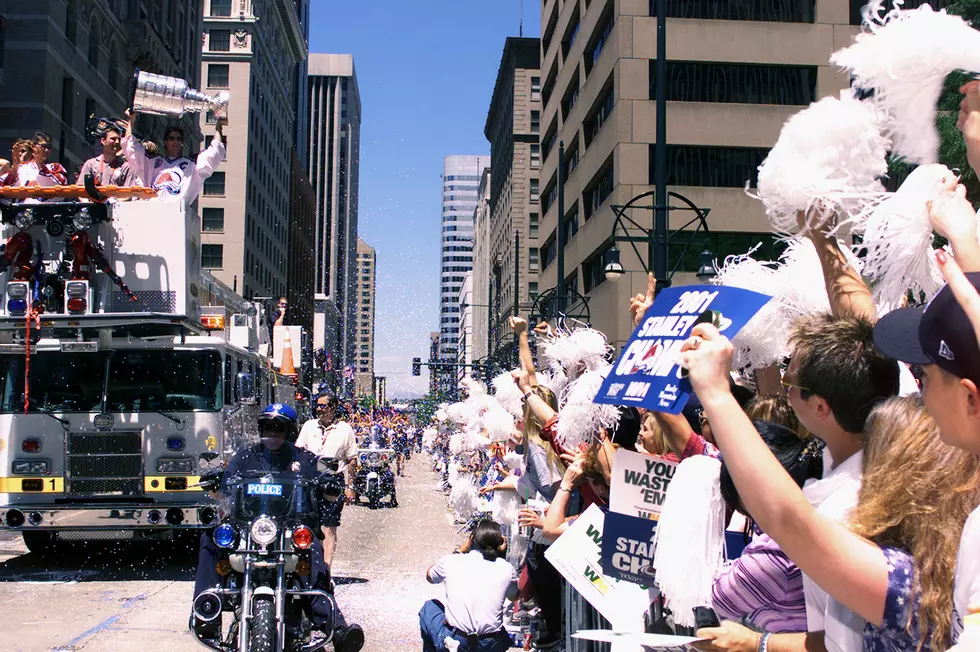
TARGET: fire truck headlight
(24,219)
(82,220)
(22,468)
(39,468)
(175,465)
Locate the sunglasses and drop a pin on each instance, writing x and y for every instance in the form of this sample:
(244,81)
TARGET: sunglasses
(273,427)
(175,138)
(43,146)
(788,386)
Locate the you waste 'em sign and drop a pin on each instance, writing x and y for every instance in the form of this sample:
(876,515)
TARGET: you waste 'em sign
(646,373)
(639,484)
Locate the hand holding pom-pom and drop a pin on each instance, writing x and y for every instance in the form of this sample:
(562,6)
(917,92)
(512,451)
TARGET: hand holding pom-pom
(952,216)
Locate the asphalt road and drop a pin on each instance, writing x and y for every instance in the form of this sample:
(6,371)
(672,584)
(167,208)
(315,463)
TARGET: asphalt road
(137,597)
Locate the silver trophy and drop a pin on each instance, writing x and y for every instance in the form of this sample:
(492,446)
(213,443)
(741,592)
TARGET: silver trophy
(171,96)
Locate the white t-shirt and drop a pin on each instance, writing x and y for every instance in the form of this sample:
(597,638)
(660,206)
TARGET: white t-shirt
(835,496)
(475,591)
(336,441)
(966,585)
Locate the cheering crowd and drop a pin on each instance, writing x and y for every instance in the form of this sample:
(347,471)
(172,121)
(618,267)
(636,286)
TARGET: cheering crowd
(838,432)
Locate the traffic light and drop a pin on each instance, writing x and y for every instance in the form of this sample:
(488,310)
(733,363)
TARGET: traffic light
(416,366)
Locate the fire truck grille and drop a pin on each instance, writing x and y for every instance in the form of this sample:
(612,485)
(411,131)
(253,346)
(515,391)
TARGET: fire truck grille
(146,301)
(105,463)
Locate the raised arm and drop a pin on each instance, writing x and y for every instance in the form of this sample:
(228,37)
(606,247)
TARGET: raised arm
(954,219)
(851,569)
(211,158)
(554,520)
(538,406)
(519,326)
(847,291)
(676,431)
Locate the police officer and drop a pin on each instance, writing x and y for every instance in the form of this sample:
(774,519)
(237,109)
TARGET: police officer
(277,452)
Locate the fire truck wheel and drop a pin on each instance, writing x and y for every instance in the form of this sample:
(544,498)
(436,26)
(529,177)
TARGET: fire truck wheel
(39,542)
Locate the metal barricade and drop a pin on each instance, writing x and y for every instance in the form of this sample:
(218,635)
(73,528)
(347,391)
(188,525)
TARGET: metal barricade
(579,614)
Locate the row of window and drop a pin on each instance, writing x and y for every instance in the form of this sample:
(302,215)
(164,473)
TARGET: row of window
(734,83)
(712,167)
(461,177)
(771,11)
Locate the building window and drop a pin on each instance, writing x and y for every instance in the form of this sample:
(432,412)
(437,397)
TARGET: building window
(548,142)
(534,191)
(214,186)
(786,11)
(571,160)
(689,81)
(93,45)
(221,8)
(532,225)
(209,139)
(711,167)
(593,52)
(604,107)
(213,219)
(888,5)
(570,34)
(218,75)
(594,269)
(535,122)
(532,259)
(571,97)
(535,157)
(598,191)
(548,251)
(219,40)
(532,289)
(571,225)
(212,256)
(535,89)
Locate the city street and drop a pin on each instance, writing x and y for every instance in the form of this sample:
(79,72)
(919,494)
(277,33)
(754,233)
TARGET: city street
(137,597)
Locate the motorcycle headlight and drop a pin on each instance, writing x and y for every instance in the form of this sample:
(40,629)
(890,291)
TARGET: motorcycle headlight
(264,530)
(224,536)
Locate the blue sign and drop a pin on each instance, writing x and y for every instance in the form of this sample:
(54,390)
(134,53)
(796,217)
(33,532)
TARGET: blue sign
(647,373)
(627,548)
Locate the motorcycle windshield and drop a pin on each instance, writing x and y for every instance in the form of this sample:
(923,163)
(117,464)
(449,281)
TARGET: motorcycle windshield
(277,494)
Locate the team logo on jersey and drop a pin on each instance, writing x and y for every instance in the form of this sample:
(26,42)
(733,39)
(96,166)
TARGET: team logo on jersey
(169,181)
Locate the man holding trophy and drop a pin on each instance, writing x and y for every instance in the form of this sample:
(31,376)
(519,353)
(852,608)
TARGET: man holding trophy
(174,176)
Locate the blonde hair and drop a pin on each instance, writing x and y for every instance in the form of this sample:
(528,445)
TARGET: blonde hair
(775,409)
(660,445)
(916,495)
(533,428)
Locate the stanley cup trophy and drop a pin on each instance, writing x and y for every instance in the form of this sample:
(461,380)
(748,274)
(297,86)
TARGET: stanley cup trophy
(171,96)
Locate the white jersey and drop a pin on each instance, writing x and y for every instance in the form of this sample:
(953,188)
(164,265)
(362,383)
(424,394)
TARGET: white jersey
(174,179)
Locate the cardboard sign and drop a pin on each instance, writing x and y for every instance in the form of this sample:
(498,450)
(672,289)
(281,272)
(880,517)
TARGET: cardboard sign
(627,548)
(646,373)
(639,484)
(577,556)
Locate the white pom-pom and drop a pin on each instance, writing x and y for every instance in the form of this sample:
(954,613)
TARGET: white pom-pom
(505,506)
(498,423)
(580,418)
(508,394)
(898,238)
(472,387)
(464,498)
(429,436)
(513,461)
(803,291)
(690,538)
(584,349)
(905,57)
(762,341)
(828,157)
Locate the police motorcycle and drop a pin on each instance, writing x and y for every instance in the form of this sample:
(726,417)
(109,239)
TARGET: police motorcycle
(266,557)
(374,478)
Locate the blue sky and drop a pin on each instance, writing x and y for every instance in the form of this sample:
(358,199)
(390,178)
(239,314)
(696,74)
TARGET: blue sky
(425,70)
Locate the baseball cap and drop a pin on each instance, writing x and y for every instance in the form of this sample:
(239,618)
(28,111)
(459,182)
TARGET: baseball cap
(939,333)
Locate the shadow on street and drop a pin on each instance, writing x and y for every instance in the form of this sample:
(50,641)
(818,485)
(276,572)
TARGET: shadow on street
(104,562)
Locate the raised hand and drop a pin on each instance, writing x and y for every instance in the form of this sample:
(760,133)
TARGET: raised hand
(641,303)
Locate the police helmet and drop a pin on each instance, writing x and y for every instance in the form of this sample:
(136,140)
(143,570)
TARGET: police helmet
(283,415)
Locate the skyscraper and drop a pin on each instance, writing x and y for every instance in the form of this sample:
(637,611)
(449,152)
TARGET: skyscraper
(252,50)
(334,153)
(460,184)
(366,270)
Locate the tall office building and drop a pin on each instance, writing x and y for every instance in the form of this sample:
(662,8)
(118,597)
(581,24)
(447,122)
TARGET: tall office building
(252,50)
(64,60)
(735,72)
(464,348)
(460,182)
(513,128)
(333,142)
(366,273)
(481,267)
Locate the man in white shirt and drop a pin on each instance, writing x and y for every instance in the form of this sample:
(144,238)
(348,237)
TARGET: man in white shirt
(835,377)
(477,581)
(327,436)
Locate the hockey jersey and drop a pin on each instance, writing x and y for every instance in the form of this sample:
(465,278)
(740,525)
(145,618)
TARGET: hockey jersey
(174,179)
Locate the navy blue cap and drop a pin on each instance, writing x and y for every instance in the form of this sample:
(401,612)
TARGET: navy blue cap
(939,333)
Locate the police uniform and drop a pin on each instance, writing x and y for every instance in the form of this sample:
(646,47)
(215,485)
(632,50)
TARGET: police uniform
(258,458)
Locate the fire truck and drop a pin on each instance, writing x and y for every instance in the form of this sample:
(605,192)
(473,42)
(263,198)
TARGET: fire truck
(125,371)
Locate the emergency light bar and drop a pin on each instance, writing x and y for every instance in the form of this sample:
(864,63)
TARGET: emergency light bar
(213,322)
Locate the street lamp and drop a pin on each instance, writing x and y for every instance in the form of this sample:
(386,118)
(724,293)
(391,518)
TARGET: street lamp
(706,268)
(614,269)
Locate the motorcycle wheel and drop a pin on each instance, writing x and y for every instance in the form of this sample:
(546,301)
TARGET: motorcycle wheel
(262,634)
(374,502)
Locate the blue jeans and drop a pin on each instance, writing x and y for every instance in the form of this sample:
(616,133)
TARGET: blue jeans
(432,621)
